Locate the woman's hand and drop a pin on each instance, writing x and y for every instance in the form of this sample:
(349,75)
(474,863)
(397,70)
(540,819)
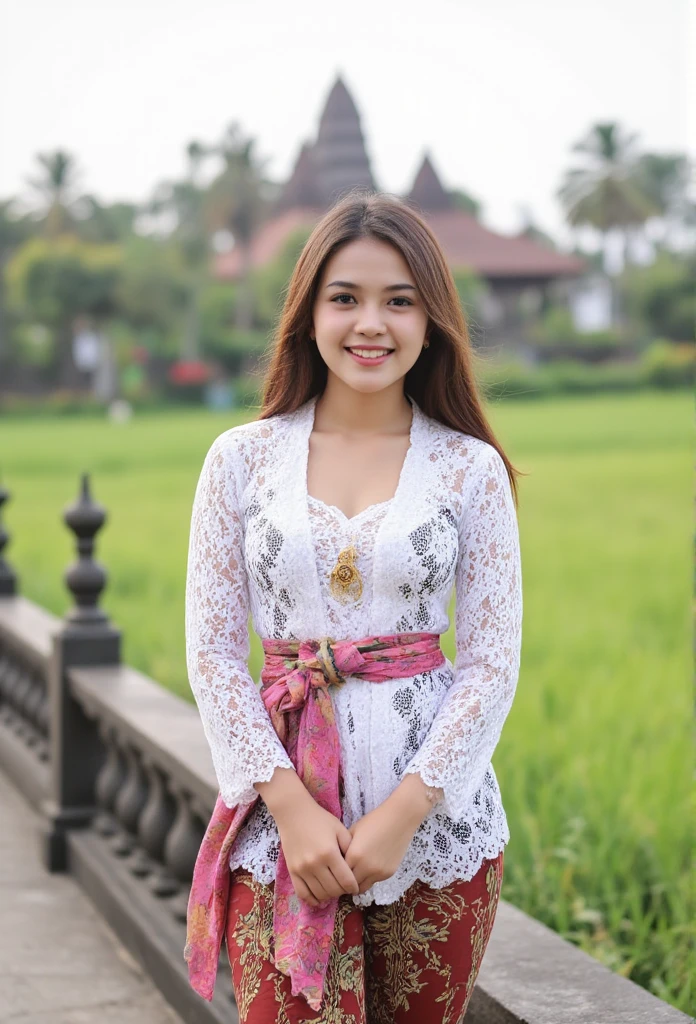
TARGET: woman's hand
(313,840)
(380,839)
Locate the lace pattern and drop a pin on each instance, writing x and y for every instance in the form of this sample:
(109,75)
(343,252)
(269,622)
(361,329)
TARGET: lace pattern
(261,544)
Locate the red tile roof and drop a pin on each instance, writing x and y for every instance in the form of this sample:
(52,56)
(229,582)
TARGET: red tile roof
(466,243)
(268,241)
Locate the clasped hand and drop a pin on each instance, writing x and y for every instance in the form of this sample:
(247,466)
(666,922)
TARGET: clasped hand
(326,859)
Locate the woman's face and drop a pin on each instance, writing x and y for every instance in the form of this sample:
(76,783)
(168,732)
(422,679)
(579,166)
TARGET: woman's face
(367,299)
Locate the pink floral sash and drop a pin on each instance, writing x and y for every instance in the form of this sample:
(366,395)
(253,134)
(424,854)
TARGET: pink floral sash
(295,688)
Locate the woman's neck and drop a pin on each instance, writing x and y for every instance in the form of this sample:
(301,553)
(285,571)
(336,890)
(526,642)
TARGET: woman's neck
(342,409)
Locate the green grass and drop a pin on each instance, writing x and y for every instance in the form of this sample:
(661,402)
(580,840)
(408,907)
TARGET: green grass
(595,761)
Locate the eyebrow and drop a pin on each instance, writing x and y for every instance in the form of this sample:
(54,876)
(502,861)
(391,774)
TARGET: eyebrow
(389,288)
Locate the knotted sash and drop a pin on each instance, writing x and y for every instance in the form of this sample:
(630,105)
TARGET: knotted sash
(295,684)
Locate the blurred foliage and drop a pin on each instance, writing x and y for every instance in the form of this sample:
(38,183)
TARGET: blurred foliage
(270,282)
(58,279)
(660,298)
(152,292)
(471,289)
(661,365)
(145,272)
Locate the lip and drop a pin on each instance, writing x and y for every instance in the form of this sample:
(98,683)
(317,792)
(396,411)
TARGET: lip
(374,361)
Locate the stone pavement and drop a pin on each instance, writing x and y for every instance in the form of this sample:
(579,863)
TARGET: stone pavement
(60,963)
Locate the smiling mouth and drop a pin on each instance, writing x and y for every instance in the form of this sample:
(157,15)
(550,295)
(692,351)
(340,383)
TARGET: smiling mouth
(369,353)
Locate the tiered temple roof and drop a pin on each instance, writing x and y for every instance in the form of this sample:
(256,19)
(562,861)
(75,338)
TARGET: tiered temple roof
(337,161)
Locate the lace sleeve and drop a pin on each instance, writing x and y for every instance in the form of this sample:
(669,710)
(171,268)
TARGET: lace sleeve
(457,749)
(244,745)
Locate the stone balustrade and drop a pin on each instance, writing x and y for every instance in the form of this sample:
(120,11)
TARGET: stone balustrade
(121,775)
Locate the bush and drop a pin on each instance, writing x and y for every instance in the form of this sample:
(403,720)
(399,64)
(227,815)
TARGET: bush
(572,377)
(234,349)
(665,364)
(511,379)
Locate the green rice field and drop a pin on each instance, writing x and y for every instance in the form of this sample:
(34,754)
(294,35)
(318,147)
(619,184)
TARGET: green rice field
(595,762)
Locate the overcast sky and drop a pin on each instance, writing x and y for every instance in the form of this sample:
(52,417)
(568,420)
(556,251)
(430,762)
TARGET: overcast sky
(497,90)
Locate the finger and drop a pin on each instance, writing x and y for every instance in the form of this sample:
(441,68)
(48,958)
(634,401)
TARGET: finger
(366,884)
(302,890)
(345,837)
(316,884)
(332,887)
(343,875)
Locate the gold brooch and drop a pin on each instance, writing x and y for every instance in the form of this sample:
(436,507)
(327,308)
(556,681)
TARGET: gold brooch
(346,581)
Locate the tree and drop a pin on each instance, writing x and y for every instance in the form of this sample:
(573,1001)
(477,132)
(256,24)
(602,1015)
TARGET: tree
(238,200)
(660,298)
(271,281)
(14,230)
(183,204)
(55,282)
(464,201)
(603,192)
(153,292)
(105,222)
(57,187)
(664,179)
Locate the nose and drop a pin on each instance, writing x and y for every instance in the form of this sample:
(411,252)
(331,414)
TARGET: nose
(370,324)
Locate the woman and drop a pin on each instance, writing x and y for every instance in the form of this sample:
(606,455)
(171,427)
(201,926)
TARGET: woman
(355,855)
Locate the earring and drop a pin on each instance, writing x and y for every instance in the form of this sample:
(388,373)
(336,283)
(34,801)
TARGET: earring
(426,343)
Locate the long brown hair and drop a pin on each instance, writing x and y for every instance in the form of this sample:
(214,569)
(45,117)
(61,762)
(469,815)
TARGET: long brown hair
(442,379)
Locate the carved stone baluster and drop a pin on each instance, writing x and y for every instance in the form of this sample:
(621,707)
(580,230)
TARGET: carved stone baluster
(4,670)
(42,720)
(129,803)
(181,848)
(10,682)
(44,713)
(8,577)
(21,698)
(109,782)
(154,823)
(31,708)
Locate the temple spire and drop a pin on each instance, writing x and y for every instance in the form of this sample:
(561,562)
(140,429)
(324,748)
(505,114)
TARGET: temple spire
(427,190)
(339,151)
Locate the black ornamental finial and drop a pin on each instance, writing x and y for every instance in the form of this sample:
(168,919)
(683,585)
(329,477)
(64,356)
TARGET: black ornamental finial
(85,578)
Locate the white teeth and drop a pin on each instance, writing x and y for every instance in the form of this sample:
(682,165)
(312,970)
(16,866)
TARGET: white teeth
(370,353)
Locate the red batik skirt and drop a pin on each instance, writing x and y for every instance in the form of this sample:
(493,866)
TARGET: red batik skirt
(414,960)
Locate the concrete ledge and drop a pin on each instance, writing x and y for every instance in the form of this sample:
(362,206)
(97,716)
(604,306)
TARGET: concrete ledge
(530,975)
(28,629)
(146,927)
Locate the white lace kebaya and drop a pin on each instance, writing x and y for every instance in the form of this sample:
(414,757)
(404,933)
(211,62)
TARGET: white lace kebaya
(261,545)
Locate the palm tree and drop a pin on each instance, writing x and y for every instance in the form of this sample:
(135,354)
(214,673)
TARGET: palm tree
(182,202)
(238,200)
(57,187)
(603,192)
(664,178)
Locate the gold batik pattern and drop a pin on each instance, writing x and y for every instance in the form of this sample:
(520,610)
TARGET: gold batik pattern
(406,951)
(413,960)
(253,935)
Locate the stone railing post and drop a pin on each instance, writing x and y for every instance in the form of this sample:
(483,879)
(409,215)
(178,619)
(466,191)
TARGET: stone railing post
(84,638)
